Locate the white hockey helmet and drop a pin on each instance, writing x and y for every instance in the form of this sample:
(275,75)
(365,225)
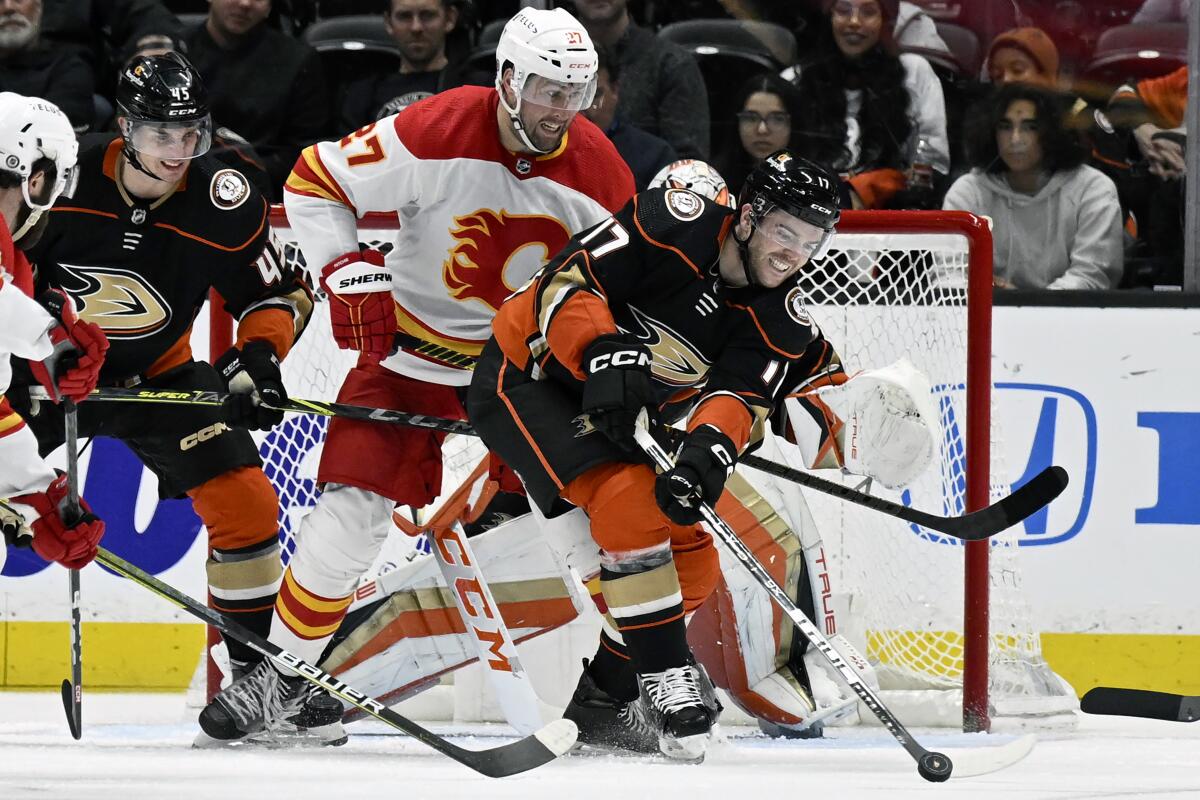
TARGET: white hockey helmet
(549,44)
(30,129)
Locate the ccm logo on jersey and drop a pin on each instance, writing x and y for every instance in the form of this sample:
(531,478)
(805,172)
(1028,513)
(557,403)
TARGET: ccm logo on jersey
(229,189)
(621,358)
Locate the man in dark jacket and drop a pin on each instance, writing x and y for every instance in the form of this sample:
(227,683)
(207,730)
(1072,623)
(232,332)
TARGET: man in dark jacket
(29,66)
(662,91)
(264,86)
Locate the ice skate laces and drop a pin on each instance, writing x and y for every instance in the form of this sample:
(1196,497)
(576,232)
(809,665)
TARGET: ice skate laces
(261,695)
(673,689)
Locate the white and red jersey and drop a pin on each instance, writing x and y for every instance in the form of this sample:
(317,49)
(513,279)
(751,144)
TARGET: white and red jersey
(24,332)
(476,220)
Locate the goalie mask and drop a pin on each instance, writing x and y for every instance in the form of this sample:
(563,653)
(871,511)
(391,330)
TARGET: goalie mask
(32,129)
(163,108)
(553,67)
(800,189)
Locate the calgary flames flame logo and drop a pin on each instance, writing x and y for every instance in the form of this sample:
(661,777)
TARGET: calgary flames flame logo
(494,253)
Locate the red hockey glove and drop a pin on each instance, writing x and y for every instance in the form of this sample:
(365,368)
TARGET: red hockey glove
(79,347)
(705,461)
(618,387)
(71,543)
(361,309)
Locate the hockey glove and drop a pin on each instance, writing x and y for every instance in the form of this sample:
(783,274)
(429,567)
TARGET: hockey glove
(255,386)
(617,387)
(79,348)
(703,464)
(71,543)
(362,311)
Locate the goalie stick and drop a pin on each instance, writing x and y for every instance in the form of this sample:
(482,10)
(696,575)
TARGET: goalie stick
(972,526)
(1141,703)
(931,765)
(525,754)
(72,688)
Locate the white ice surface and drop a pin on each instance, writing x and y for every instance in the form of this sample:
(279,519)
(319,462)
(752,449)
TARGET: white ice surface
(138,746)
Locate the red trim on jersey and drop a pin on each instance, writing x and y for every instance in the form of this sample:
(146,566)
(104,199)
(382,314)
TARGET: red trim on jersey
(79,210)
(214,245)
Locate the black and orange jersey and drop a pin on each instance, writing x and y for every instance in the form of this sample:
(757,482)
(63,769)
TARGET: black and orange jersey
(141,270)
(728,355)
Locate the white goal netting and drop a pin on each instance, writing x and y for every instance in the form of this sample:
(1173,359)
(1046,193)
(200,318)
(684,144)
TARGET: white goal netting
(894,285)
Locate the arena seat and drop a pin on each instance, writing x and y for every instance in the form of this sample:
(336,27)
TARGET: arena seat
(1135,52)
(357,32)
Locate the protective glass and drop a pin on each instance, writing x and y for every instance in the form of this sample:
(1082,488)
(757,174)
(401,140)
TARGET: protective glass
(170,141)
(796,235)
(545,93)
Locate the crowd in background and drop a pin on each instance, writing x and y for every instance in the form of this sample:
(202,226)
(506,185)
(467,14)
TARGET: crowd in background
(1063,121)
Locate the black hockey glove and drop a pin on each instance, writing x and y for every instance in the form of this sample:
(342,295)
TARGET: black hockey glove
(252,375)
(703,464)
(618,387)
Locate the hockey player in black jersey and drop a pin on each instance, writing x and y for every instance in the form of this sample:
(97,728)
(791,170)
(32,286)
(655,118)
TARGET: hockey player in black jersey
(155,224)
(692,311)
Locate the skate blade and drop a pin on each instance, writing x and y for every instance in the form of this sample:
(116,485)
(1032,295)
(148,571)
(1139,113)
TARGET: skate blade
(290,736)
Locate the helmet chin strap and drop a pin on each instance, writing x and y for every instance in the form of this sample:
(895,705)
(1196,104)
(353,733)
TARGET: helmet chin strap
(514,115)
(135,162)
(743,246)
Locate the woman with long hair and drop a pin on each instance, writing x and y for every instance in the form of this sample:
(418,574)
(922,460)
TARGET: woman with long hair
(867,109)
(1056,222)
(767,106)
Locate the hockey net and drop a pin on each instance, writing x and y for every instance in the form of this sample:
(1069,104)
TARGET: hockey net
(945,625)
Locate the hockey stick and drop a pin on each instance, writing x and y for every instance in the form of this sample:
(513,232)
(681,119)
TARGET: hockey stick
(931,766)
(525,754)
(72,689)
(1141,703)
(973,526)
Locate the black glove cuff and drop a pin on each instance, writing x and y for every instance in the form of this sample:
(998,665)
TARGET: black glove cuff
(618,350)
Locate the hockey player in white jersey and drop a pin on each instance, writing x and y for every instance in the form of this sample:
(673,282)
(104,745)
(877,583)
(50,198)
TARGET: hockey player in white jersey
(37,165)
(486,185)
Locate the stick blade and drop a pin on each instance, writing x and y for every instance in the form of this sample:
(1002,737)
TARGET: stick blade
(1016,507)
(539,748)
(1141,703)
(982,760)
(68,698)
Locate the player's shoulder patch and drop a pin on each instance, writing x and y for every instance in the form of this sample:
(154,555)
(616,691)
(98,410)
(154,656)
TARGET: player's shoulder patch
(684,205)
(228,189)
(793,303)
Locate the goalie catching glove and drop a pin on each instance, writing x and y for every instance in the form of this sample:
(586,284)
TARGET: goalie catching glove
(362,311)
(889,430)
(256,388)
(71,543)
(73,368)
(618,387)
(704,462)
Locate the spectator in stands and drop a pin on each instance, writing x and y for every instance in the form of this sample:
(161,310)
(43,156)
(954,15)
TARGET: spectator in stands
(30,66)
(1056,222)
(767,106)
(420,28)
(107,33)
(1153,110)
(868,110)
(662,91)
(266,87)
(1028,55)
(644,153)
(912,28)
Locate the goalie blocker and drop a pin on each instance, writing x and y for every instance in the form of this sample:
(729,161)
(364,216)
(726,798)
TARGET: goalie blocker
(403,630)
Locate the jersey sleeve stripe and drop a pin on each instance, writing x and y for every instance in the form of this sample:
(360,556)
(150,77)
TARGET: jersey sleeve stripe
(310,177)
(10,421)
(762,331)
(730,414)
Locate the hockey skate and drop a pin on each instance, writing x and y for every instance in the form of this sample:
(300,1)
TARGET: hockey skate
(682,708)
(607,723)
(266,707)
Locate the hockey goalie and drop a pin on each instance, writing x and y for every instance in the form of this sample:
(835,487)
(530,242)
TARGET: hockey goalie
(406,629)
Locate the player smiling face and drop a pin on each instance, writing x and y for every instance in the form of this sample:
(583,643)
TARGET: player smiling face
(780,246)
(165,147)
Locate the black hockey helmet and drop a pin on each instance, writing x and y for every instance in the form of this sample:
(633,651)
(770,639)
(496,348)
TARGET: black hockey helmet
(164,108)
(794,185)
